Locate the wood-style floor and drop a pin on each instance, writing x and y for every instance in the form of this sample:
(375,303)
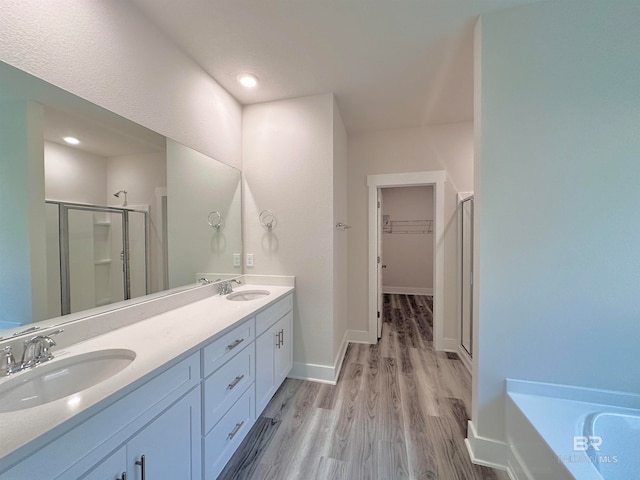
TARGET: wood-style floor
(399,411)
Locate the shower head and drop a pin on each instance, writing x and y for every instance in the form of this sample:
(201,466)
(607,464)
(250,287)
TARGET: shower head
(117,194)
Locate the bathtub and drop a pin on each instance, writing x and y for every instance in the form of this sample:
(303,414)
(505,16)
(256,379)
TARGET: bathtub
(557,432)
(613,443)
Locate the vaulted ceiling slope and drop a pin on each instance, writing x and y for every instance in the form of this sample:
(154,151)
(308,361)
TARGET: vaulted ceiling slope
(390,63)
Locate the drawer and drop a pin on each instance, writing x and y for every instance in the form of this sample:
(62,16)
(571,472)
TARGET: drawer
(219,351)
(225,386)
(274,313)
(225,437)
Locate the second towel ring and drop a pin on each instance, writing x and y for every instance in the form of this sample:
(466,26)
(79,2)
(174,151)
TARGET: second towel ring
(215,220)
(268,219)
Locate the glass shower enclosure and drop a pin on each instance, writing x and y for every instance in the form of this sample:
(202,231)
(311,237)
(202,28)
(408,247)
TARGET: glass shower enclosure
(466,307)
(96,255)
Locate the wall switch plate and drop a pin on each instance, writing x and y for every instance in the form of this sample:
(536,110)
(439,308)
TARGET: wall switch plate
(236,259)
(249,261)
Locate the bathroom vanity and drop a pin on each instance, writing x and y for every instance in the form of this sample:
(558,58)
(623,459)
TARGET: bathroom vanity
(193,382)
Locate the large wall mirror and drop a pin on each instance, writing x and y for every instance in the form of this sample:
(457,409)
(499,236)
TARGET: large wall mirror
(97,210)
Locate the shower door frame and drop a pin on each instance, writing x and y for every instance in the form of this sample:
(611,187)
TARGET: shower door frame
(63,235)
(466,283)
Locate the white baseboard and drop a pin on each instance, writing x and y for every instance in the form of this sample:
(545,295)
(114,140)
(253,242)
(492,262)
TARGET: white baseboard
(449,345)
(313,373)
(407,290)
(486,451)
(357,336)
(326,373)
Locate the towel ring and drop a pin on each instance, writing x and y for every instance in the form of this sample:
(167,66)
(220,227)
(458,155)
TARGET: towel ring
(268,219)
(215,220)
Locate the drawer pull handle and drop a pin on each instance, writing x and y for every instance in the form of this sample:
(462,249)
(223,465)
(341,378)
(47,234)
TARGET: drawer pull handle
(123,477)
(143,466)
(235,344)
(235,430)
(235,382)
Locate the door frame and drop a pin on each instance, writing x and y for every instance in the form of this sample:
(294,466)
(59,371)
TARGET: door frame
(437,179)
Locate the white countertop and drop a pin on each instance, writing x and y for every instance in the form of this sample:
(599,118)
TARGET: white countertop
(158,342)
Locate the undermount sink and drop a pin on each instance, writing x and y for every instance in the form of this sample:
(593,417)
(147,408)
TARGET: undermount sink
(60,378)
(247,295)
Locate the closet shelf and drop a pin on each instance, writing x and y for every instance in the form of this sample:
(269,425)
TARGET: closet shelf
(418,227)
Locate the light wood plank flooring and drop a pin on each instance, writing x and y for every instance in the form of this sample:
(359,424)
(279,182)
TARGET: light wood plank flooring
(399,411)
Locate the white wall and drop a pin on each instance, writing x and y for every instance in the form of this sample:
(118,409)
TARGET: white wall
(440,147)
(558,264)
(408,256)
(72,175)
(23,280)
(340,242)
(288,163)
(111,55)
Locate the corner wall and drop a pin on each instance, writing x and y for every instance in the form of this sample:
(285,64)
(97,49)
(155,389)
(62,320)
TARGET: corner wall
(558,264)
(288,167)
(340,237)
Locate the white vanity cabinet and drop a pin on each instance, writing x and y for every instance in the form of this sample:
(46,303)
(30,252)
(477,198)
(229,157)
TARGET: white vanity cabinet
(166,448)
(160,416)
(228,407)
(186,420)
(274,349)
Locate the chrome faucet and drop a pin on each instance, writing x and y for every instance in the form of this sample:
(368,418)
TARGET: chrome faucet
(38,350)
(204,281)
(224,288)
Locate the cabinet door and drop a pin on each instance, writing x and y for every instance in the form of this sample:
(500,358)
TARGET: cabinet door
(283,360)
(112,468)
(170,444)
(265,378)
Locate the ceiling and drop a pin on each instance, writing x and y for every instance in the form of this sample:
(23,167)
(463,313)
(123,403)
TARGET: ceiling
(390,63)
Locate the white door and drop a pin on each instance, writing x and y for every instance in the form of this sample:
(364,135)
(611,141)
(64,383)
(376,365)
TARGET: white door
(284,349)
(380,296)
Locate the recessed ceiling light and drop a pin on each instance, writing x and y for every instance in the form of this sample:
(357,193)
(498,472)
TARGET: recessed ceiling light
(247,80)
(71,140)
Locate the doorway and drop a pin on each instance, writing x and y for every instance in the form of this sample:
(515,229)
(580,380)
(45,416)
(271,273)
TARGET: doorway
(375,183)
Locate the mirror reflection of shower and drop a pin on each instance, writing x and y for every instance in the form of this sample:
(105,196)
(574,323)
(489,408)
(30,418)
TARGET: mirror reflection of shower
(121,192)
(96,255)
